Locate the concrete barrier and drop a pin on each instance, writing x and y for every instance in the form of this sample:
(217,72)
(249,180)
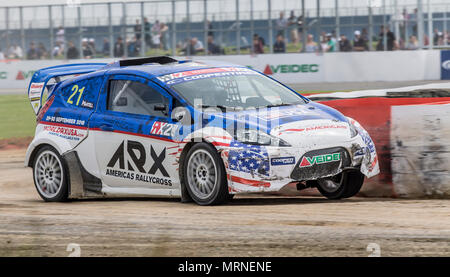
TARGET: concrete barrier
(388,115)
(420,140)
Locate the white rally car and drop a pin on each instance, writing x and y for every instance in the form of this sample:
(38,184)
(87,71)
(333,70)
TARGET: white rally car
(199,131)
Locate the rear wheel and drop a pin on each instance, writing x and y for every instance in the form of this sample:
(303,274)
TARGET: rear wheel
(343,185)
(49,174)
(204,175)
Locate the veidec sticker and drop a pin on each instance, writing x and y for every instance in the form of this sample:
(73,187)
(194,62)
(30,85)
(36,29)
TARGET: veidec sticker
(320,159)
(282,161)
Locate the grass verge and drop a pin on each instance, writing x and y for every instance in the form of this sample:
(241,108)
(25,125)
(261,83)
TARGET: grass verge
(17,117)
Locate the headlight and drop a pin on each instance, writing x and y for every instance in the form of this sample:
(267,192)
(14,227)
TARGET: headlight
(353,130)
(257,137)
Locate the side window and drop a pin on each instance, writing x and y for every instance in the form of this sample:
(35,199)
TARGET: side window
(134,97)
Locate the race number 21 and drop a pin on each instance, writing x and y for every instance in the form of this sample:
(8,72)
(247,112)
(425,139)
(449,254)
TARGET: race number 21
(75,90)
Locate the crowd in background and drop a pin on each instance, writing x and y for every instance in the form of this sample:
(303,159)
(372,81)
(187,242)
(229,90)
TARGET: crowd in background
(289,32)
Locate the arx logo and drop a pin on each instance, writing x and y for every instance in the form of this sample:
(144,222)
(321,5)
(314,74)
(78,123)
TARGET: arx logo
(139,160)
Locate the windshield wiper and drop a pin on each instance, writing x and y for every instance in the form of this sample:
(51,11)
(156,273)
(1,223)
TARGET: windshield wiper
(280,105)
(223,108)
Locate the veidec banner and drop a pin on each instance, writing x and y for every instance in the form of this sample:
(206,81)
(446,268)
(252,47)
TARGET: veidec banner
(445,65)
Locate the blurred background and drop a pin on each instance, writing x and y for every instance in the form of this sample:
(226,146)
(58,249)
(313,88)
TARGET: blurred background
(52,29)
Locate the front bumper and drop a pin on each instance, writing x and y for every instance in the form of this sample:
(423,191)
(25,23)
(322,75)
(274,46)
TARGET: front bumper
(269,168)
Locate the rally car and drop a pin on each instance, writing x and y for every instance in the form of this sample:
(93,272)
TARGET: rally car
(201,131)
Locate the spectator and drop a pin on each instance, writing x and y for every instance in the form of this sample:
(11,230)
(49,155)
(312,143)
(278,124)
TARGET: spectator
(365,36)
(32,53)
(311,46)
(164,31)
(72,51)
(2,56)
(258,47)
(344,44)
(16,52)
(390,37)
(134,47)
(138,29)
(60,35)
(156,35)
(86,49)
(281,24)
(330,43)
(91,44)
(106,47)
(403,22)
(413,44)
(147,32)
(10,52)
(196,46)
(209,28)
(438,37)
(42,51)
(300,22)
(293,27)
(413,20)
(279,46)
(359,44)
(58,49)
(213,49)
(119,48)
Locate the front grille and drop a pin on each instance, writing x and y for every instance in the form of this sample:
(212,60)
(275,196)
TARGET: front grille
(319,163)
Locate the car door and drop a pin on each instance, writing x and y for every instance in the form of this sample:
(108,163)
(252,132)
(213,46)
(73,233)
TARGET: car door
(133,135)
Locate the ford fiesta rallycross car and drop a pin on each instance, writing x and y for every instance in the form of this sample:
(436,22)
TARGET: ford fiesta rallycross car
(202,131)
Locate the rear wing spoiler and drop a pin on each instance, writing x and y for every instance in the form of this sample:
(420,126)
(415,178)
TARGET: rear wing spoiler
(41,77)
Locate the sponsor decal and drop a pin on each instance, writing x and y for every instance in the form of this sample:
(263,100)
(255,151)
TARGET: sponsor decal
(136,166)
(87,104)
(64,132)
(162,129)
(248,158)
(3,75)
(185,76)
(445,65)
(22,75)
(280,113)
(282,161)
(35,90)
(64,120)
(291,68)
(320,159)
(314,128)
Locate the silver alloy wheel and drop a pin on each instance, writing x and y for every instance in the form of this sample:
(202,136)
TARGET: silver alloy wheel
(331,184)
(48,174)
(201,173)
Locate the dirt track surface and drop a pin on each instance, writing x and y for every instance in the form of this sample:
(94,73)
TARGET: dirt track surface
(248,226)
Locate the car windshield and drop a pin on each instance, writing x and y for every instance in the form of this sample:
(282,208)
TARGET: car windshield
(242,91)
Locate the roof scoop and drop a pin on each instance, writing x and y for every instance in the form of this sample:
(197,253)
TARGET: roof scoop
(157,59)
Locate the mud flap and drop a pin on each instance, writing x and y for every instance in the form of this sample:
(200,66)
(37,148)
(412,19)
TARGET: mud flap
(82,184)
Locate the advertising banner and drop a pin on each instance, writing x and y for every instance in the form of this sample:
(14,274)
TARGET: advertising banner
(445,65)
(292,68)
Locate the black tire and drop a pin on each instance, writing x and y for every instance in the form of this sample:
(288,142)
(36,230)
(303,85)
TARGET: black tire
(355,180)
(60,194)
(219,192)
(350,184)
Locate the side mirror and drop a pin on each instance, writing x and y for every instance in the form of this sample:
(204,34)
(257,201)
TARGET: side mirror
(161,108)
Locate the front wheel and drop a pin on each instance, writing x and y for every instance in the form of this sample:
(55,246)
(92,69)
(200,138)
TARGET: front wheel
(343,185)
(204,175)
(49,174)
